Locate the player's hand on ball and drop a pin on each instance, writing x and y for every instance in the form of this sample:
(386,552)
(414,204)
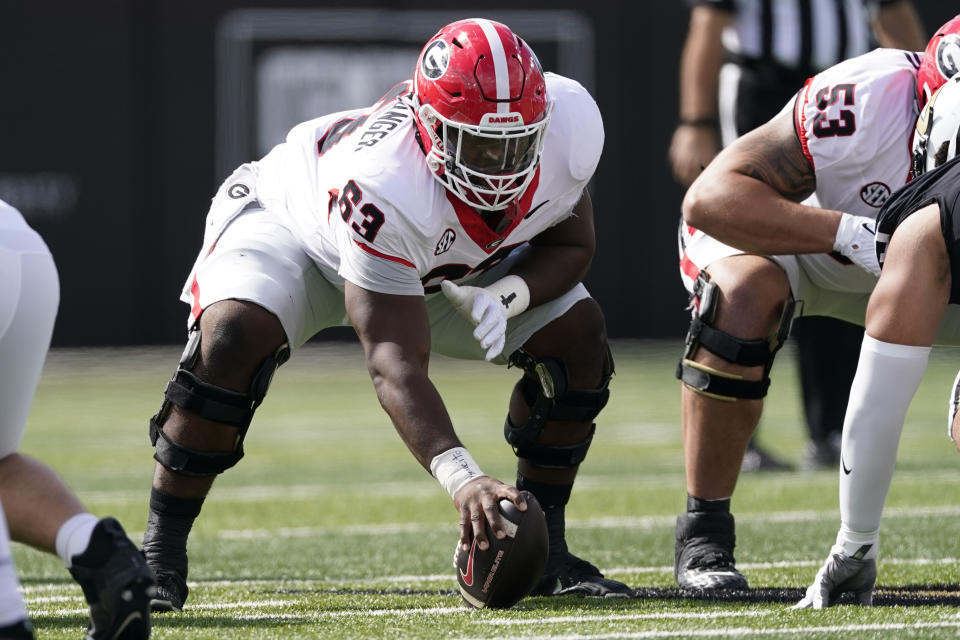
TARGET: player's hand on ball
(841,574)
(486,313)
(478,502)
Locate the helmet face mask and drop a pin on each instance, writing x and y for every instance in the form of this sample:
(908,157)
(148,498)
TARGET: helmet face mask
(937,133)
(512,152)
(482,112)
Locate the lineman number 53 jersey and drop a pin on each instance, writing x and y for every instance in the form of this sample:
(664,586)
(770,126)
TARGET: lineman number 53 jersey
(355,189)
(854,121)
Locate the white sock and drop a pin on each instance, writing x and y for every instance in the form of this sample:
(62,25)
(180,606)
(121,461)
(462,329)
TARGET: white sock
(12,609)
(887,379)
(74,536)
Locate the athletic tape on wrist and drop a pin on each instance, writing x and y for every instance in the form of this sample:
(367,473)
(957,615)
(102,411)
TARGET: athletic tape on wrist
(859,544)
(454,468)
(512,293)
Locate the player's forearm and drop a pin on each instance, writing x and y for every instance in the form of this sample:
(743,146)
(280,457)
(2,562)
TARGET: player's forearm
(897,25)
(887,378)
(558,259)
(550,271)
(415,408)
(700,65)
(749,196)
(750,215)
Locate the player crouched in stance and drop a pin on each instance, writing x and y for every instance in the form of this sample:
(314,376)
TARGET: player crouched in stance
(38,509)
(453,180)
(918,246)
(783,222)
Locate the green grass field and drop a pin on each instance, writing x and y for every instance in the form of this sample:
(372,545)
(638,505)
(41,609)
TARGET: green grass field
(329,528)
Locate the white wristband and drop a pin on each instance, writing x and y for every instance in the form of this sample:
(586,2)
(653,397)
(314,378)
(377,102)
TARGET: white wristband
(454,468)
(847,231)
(512,293)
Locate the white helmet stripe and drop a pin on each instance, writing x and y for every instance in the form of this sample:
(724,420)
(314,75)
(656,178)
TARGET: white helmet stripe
(499,64)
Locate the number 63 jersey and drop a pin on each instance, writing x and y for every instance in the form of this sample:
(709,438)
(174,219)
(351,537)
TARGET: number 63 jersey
(355,189)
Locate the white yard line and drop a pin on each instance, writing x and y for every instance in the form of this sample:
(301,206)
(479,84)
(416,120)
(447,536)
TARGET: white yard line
(257,493)
(726,632)
(738,632)
(615,617)
(635,523)
(34,592)
(785,564)
(319,615)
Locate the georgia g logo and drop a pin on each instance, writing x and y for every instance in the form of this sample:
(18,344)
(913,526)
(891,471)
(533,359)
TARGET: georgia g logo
(948,55)
(435,60)
(238,190)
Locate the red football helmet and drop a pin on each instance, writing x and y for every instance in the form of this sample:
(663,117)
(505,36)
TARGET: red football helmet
(482,111)
(941,60)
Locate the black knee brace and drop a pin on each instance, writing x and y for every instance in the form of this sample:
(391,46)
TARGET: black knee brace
(756,352)
(544,387)
(211,402)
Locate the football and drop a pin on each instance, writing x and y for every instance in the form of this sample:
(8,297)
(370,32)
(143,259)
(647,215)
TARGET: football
(501,575)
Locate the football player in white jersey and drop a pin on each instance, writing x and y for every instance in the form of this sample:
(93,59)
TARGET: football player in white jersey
(451,216)
(38,509)
(782,222)
(918,238)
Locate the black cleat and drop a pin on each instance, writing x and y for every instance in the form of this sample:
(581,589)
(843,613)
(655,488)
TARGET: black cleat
(573,576)
(117,584)
(20,631)
(704,552)
(171,592)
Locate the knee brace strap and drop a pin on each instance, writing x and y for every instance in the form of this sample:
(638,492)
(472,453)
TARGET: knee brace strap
(546,391)
(747,352)
(210,402)
(187,461)
(720,384)
(551,456)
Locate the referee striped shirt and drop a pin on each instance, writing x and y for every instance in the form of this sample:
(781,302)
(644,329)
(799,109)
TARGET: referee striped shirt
(802,35)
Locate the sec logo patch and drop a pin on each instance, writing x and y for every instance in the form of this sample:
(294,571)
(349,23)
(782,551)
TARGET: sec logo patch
(446,241)
(875,194)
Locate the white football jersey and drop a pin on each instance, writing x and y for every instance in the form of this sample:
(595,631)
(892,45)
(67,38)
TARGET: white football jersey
(355,188)
(855,122)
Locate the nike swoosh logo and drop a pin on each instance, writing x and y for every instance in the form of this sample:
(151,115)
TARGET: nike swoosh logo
(872,232)
(530,213)
(468,576)
(844,465)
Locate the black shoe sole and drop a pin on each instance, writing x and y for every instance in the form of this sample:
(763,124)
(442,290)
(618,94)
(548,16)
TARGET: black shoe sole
(134,623)
(159,605)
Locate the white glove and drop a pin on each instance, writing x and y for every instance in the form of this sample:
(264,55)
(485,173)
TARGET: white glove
(841,573)
(489,307)
(856,239)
